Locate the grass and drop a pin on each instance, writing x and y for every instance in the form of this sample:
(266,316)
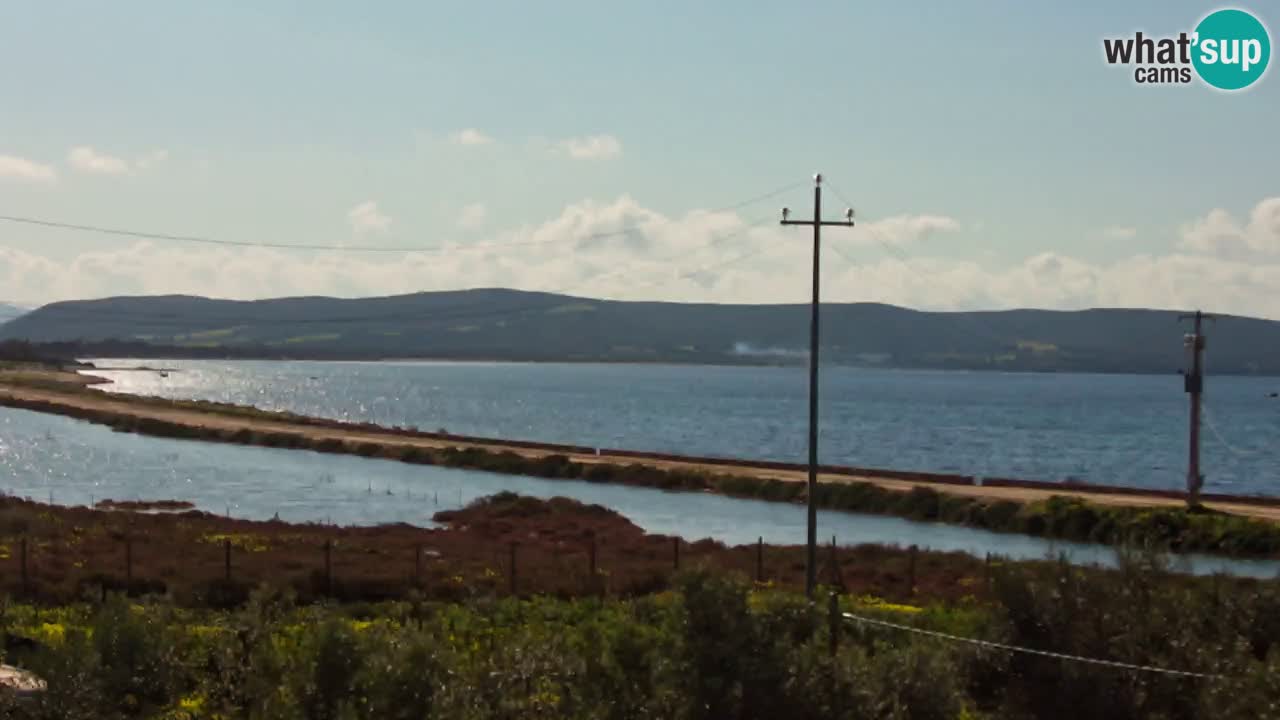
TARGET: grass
(570,308)
(320,337)
(219,333)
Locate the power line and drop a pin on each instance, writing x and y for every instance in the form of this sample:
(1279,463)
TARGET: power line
(1213,428)
(967,317)
(1030,651)
(464,311)
(681,255)
(971,318)
(204,240)
(312,247)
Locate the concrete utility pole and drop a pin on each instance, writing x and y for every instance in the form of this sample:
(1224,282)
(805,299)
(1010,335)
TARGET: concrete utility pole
(1194,385)
(811,557)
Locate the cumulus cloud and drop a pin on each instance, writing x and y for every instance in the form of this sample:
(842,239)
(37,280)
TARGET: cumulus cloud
(366,218)
(1219,233)
(87,160)
(470,136)
(152,159)
(1120,232)
(592,147)
(903,229)
(21,169)
(472,217)
(622,249)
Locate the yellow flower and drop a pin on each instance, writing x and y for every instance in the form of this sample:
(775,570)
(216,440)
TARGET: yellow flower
(203,631)
(48,633)
(871,602)
(246,542)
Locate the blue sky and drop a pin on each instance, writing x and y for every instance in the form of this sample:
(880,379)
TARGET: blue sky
(1016,166)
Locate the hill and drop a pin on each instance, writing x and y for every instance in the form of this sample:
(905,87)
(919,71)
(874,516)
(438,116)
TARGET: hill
(9,312)
(500,324)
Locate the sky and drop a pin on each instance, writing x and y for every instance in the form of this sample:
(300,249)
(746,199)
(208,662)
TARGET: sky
(631,150)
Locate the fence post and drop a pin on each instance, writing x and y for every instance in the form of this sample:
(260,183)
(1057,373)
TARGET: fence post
(675,552)
(26,585)
(226,559)
(835,565)
(911,569)
(760,558)
(512,569)
(986,571)
(328,567)
(417,564)
(128,565)
(591,559)
(833,619)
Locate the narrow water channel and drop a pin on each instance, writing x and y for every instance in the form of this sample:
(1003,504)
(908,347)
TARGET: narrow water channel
(47,457)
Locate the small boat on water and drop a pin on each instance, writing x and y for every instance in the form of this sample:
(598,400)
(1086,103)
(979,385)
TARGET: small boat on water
(164,374)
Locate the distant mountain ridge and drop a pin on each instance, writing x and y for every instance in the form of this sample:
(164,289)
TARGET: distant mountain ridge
(498,324)
(9,312)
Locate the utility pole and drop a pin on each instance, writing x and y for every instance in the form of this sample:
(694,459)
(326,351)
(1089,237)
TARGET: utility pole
(1193,384)
(811,556)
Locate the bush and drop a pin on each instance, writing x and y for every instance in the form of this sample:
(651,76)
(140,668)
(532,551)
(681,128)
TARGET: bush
(325,677)
(136,657)
(711,649)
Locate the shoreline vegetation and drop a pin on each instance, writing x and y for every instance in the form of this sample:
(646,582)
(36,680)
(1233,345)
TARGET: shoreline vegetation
(563,548)
(1241,528)
(530,608)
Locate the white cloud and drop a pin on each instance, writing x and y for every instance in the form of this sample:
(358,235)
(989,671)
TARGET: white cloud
(903,229)
(152,159)
(472,217)
(594,147)
(16,168)
(1218,233)
(1120,232)
(623,250)
(87,160)
(470,136)
(366,218)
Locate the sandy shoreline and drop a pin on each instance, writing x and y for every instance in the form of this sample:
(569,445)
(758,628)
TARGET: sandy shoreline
(18,389)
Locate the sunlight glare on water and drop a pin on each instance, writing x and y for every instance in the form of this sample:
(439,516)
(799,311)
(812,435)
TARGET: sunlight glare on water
(1110,429)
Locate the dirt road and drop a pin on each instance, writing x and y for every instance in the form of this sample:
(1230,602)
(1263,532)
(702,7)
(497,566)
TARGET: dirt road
(14,392)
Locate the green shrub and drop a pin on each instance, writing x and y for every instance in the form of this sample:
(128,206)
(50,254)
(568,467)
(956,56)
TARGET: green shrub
(136,657)
(325,677)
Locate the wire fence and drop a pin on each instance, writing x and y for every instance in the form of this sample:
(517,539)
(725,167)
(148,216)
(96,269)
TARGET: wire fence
(215,561)
(1002,647)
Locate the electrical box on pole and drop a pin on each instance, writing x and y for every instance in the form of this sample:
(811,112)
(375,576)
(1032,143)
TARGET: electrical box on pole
(1193,384)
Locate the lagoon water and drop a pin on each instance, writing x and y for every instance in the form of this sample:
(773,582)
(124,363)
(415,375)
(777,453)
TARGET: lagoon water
(1113,429)
(49,457)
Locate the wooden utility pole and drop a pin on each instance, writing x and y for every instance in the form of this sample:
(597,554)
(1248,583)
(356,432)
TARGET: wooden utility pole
(1193,383)
(811,557)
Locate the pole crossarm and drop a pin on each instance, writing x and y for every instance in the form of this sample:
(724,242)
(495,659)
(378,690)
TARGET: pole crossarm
(823,223)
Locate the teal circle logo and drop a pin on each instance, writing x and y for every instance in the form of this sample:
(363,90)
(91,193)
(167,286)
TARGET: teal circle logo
(1231,49)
